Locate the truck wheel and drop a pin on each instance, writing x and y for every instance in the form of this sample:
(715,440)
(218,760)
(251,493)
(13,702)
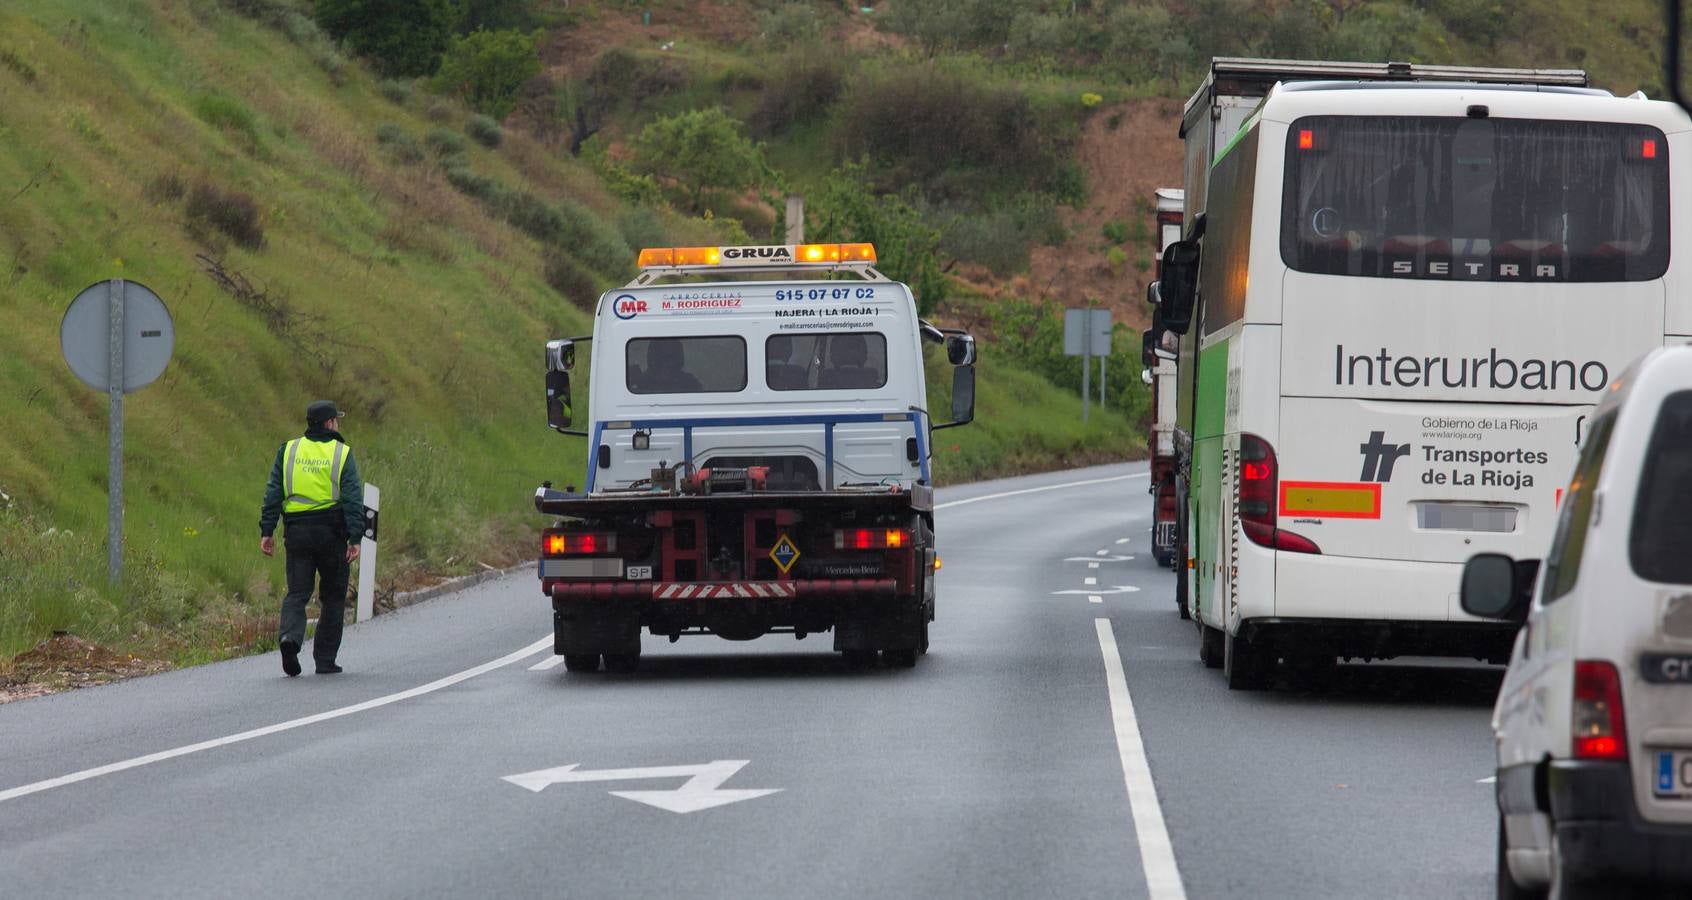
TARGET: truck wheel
(581,662)
(622,663)
(1244,668)
(1181,582)
(859,659)
(1210,646)
(900,659)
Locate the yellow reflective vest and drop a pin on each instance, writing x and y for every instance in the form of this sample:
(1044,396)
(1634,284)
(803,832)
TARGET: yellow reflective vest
(311,474)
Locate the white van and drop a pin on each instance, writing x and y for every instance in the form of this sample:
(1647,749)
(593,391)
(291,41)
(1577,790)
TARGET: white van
(1594,718)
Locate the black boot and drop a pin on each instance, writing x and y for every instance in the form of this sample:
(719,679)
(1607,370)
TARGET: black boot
(291,658)
(327,668)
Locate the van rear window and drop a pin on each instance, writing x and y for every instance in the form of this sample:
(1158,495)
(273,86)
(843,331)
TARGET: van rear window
(1660,546)
(686,365)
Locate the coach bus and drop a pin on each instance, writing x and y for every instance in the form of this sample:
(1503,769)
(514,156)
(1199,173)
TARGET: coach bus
(1399,308)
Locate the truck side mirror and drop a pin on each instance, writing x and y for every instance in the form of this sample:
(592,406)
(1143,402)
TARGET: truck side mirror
(1495,586)
(560,359)
(1177,287)
(960,349)
(1148,349)
(963,393)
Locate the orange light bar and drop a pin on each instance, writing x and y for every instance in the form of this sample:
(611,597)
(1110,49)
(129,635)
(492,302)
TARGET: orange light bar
(817,253)
(857,252)
(657,256)
(698,256)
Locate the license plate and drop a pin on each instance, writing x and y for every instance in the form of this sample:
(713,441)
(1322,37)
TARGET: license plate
(1666,668)
(592,567)
(1672,778)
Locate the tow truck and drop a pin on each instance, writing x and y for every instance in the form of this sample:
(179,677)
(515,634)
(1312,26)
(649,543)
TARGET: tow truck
(759,457)
(1158,356)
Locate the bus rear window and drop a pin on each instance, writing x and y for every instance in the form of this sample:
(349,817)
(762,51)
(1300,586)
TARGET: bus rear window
(1660,546)
(1476,199)
(686,365)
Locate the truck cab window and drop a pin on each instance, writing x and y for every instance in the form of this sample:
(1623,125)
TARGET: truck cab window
(826,362)
(686,365)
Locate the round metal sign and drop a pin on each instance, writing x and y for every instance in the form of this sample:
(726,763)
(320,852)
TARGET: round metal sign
(149,335)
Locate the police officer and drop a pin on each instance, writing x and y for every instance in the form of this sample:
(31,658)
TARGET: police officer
(315,489)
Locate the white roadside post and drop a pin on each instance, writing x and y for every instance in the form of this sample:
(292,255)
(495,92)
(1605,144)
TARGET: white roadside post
(367,555)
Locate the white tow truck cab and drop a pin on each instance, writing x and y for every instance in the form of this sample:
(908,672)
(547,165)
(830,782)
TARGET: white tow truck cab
(758,456)
(1594,718)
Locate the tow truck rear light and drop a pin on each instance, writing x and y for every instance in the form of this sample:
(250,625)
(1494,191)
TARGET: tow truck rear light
(559,543)
(870,539)
(1598,728)
(1256,499)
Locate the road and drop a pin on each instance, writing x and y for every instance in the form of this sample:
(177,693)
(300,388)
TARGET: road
(1000,767)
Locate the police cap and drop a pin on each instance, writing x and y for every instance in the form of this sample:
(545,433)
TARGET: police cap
(321,411)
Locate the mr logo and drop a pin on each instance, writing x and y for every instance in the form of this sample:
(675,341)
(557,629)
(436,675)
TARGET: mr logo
(1379,456)
(628,306)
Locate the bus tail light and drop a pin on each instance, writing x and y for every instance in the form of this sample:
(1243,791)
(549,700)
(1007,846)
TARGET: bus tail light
(562,543)
(1598,729)
(1256,500)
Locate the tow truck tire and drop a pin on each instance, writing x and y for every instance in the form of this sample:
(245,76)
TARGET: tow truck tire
(1243,667)
(900,659)
(858,659)
(622,663)
(581,662)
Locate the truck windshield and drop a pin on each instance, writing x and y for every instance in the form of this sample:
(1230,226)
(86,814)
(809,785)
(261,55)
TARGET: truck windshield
(686,365)
(1477,199)
(826,362)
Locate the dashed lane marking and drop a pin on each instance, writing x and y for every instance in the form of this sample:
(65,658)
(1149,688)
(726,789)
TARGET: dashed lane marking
(1092,565)
(1089,580)
(1094,598)
(113,768)
(1157,854)
(1122,540)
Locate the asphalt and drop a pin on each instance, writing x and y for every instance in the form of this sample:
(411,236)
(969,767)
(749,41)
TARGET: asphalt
(992,769)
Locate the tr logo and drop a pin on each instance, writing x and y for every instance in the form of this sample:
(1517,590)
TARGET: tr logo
(1379,456)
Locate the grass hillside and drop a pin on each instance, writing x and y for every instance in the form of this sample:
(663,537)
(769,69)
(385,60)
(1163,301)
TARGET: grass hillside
(317,231)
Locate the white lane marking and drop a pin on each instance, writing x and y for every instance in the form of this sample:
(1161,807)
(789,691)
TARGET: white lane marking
(1103,553)
(1157,855)
(548,663)
(1122,540)
(420,690)
(1490,779)
(1095,560)
(1094,598)
(1089,580)
(702,790)
(1118,589)
(1092,565)
(1036,490)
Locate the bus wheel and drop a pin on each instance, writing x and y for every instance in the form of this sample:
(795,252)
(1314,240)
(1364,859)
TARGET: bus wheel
(1243,667)
(1210,646)
(581,662)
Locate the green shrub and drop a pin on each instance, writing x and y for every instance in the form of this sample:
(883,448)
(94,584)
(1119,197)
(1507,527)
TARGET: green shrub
(595,242)
(484,130)
(700,150)
(398,38)
(397,91)
(569,279)
(805,86)
(845,207)
(232,213)
(399,143)
(444,142)
(1117,258)
(641,227)
(468,181)
(1114,231)
(228,114)
(487,69)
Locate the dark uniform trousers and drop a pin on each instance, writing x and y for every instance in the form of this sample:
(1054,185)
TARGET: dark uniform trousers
(317,557)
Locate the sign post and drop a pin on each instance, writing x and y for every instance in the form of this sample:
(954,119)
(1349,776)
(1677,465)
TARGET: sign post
(1086,333)
(117,336)
(367,554)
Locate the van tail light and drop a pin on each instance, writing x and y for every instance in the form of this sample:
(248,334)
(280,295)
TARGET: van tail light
(563,543)
(1599,731)
(871,539)
(1256,503)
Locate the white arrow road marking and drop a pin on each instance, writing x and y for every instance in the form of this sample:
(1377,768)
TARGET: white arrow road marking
(1490,779)
(548,663)
(1157,854)
(1119,589)
(1102,553)
(431,687)
(1122,540)
(702,790)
